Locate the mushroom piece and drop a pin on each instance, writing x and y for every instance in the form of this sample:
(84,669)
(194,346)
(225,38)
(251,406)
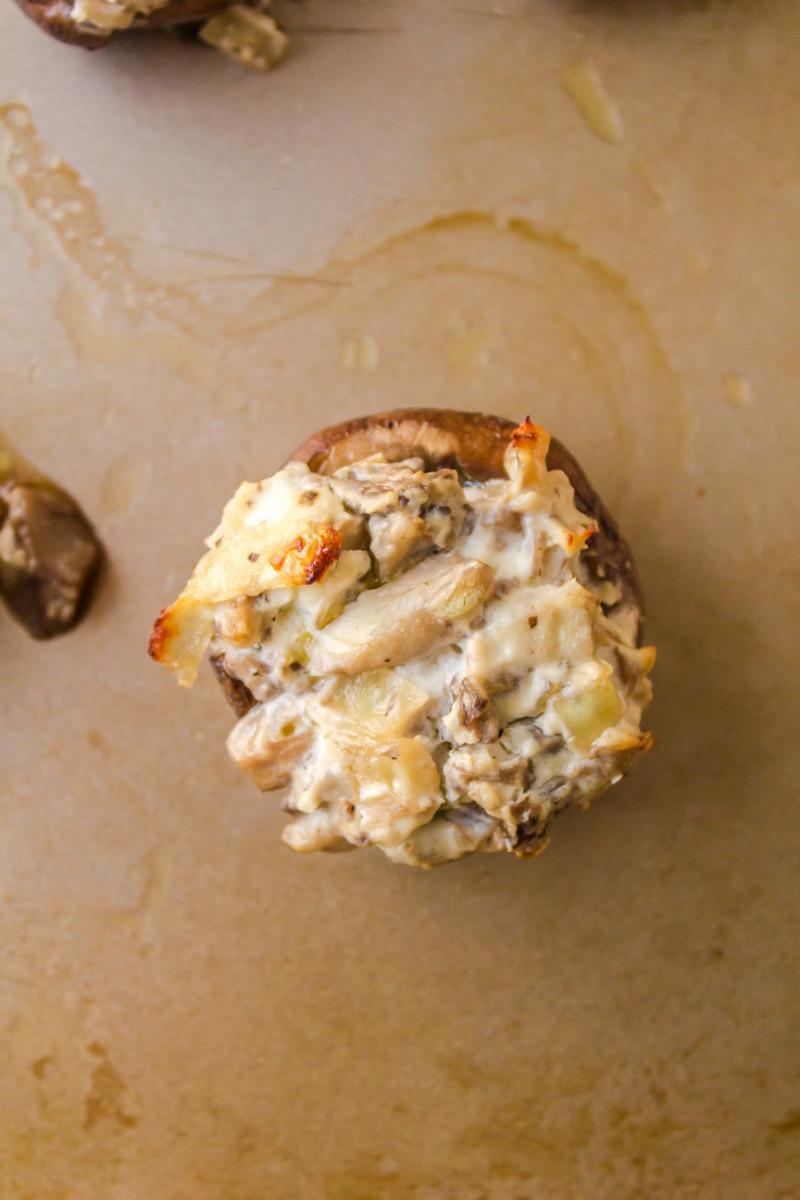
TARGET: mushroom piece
(50,555)
(419,612)
(268,743)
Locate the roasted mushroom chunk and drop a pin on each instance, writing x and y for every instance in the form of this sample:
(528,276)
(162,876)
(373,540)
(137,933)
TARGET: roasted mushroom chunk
(462,657)
(49,553)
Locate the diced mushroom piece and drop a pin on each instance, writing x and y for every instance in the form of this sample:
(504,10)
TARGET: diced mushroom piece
(476,774)
(634,667)
(49,557)
(238,695)
(409,512)
(373,704)
(414,615)
(376,486)
(241,622)
(527,739)
(269,742)
(396,540)
(471,719)
(448,836)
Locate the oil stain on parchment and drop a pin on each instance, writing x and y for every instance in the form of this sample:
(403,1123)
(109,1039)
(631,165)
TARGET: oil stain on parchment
(106,1099)
(466,310)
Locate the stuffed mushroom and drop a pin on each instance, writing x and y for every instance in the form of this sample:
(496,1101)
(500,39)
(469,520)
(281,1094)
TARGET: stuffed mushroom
(429,627)
(243,31)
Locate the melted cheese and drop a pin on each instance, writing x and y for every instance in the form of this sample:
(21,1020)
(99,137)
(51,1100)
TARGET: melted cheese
(111,15)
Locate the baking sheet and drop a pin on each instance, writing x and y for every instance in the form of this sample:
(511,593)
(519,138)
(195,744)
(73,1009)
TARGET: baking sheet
(432,211)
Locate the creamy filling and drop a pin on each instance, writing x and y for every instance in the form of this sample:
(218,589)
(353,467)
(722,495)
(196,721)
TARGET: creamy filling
(112,15)
(435,669)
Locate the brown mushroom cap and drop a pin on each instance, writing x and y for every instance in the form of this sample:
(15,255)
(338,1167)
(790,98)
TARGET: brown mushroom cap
(55,18)
(474,444)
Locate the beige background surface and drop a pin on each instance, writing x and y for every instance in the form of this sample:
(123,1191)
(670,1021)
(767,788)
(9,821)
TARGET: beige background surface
(198,267)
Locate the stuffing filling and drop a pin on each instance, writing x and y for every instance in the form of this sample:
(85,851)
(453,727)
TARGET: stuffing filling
(112,15)
(428,664)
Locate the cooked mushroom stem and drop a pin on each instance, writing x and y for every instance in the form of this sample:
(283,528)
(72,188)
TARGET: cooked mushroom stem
(49,553)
